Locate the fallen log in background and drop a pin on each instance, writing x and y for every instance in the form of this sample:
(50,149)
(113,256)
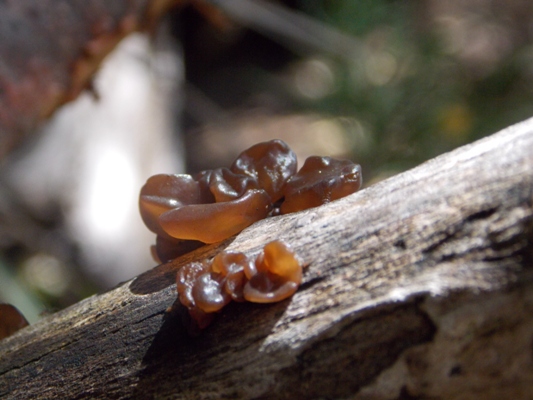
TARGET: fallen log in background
(418,287)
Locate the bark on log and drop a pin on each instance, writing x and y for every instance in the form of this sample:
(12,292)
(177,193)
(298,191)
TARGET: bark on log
(418,287)
(50,50)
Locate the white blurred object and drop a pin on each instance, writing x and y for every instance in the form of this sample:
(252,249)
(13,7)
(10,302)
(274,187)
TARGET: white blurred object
(95,154)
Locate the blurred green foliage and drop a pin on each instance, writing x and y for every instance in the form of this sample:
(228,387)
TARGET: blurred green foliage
(434,76)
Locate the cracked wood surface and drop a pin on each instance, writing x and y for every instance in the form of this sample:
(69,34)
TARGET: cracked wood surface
(417,287)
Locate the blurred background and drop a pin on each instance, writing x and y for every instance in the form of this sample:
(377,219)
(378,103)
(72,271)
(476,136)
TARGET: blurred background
(388,84)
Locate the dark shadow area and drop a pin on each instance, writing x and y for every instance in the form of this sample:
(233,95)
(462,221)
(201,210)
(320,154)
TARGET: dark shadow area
(365,346)
(164,275)
(175,360)
(176,355)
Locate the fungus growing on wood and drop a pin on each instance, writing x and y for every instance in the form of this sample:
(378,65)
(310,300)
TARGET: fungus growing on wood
(231,265)
(163,192)
(275,275)
(270,164)
(210,223)
(319,181)
(206,288)
(216,204)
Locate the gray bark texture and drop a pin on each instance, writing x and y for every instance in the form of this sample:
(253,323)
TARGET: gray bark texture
(420,286)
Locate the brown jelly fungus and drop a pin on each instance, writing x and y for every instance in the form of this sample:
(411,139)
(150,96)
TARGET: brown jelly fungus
(217,204)
(275,275)
(185,211)
(205,288)
(11,320)
(319,181)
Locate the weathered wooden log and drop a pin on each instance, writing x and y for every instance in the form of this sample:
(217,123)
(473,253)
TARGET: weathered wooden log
(417,287)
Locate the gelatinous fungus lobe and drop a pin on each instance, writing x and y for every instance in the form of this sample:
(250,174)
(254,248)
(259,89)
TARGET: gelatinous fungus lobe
(275,275)
(11,320)
(219,203)
(164,192)
(231,265)
(210,223)
(224,184)
(186,211)
(270,164)
(205,288)
(319,181)
(186,279)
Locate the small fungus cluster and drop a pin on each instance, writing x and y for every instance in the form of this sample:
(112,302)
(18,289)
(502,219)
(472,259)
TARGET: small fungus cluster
(205,288)
(187,211)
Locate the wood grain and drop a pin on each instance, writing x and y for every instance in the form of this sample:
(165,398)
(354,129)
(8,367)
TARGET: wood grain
(417,287)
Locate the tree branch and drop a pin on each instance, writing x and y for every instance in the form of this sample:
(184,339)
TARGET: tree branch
(418,286)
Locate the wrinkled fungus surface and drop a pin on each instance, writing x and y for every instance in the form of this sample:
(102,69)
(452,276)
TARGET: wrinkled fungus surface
(205,288)
(270,164)
(275,275)
(319,181)
(185,211)
(216,204)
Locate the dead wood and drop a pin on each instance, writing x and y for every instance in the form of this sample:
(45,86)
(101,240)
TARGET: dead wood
(418,287)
